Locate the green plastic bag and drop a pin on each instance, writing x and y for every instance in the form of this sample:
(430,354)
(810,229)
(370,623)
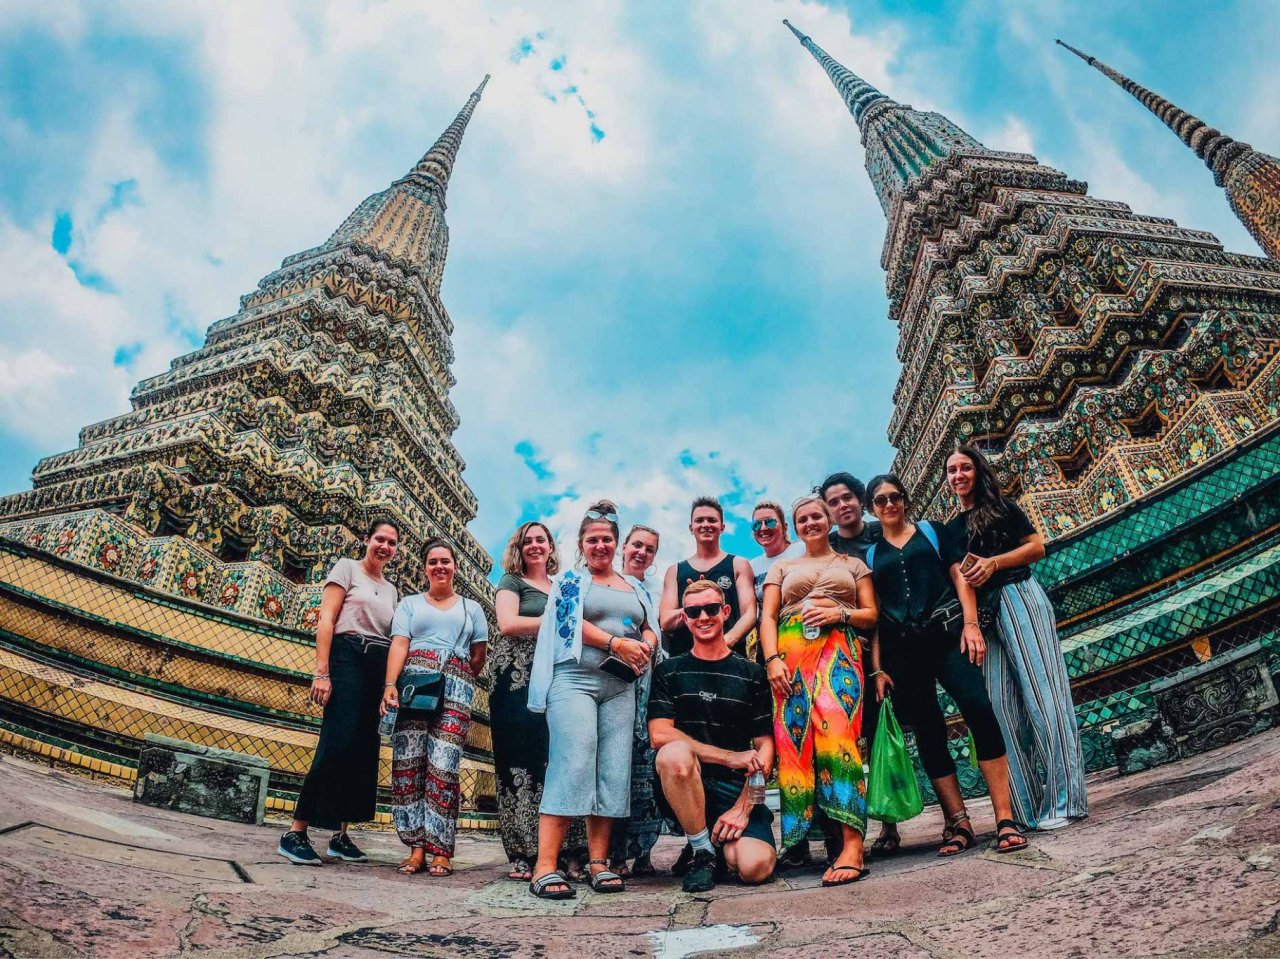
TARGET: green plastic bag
(893,795)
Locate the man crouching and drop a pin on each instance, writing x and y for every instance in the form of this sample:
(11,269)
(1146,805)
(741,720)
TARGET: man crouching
(711,720)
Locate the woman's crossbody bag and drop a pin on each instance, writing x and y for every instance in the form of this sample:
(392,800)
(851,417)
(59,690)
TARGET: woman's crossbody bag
(423,692)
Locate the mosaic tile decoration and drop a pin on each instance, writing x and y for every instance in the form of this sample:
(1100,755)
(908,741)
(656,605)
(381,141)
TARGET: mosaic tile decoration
(1251,179)
(1090,350)
(243,472)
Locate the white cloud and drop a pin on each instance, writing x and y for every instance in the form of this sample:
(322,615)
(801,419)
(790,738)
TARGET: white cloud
(1013,136)
(56,371)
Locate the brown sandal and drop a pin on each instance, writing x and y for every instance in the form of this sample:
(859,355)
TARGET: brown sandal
(413,865)
(440,867)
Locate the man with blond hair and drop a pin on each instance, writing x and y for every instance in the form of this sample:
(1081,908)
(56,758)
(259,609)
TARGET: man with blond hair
(711,721)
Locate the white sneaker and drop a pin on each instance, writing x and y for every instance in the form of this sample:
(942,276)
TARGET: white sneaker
(1057,822)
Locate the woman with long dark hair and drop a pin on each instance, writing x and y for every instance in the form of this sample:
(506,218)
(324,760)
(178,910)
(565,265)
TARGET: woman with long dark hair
(1024,669)
(929,636)
(438,644)
(353,634)
(520,736)
(593,645)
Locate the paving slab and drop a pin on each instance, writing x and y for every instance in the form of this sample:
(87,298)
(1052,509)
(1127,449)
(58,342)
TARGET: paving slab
(1183,861)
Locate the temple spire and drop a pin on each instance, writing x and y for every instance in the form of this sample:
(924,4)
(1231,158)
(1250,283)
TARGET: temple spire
(858,94)
(437,163)
(1217,149)
(1251,179)
(901,143)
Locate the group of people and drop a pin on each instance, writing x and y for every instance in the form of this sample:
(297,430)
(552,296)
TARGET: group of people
(622,704)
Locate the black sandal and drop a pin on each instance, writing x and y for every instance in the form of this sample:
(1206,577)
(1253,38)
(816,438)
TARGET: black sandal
(597,880)
(861,874)
(539,886)
(955,837)
(885,845)
(1007,831)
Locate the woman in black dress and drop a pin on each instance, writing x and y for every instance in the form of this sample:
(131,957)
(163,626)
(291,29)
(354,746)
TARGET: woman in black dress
(519,736)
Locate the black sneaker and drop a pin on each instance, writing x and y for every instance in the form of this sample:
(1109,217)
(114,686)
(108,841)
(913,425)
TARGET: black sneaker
(341,847)
(682,861)
(701,875)
(296,847)
(722,872)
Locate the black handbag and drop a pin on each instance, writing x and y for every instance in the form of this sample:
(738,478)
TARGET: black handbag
(422,692)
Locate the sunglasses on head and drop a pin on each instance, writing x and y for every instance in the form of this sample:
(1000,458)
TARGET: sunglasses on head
(602,514)
(696,612)
(888,499)
(769,523)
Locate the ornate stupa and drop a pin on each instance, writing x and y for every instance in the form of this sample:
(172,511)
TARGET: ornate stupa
(1122,373)
(165,576)
(1251,179)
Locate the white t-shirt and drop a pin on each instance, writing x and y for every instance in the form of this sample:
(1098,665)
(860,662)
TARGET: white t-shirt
(761,564)
(451,631)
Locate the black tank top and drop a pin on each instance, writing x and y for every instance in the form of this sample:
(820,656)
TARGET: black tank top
(680,640)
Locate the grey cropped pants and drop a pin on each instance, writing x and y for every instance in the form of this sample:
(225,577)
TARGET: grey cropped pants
(590,716)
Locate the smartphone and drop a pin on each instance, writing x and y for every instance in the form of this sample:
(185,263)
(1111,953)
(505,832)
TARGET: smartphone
(968,562)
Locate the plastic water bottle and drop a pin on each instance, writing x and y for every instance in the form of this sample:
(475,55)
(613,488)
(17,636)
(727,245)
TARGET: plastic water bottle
(387,725)
(629,629)
(755,788)
(810,632)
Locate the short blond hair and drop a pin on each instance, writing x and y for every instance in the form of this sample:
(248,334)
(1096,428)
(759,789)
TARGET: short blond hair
(773,508)
(701,585)
(513,555)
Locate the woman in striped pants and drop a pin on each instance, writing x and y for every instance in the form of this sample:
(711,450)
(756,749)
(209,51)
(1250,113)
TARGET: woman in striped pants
(1025,673)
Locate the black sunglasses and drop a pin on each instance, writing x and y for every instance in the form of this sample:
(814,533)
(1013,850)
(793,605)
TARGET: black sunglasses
(697,612)
(888,499)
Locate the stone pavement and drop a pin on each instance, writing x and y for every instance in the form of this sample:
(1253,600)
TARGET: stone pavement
(1178,861)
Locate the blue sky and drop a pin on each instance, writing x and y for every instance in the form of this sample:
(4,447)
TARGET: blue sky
(664,261)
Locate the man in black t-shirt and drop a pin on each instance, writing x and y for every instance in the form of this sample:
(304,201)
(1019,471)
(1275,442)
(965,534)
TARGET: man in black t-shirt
(711,720)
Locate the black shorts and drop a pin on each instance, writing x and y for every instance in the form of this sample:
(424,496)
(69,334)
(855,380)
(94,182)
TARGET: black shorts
(720,797)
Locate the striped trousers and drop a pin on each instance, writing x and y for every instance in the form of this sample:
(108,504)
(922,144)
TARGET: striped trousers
(1030,692)
(426,755)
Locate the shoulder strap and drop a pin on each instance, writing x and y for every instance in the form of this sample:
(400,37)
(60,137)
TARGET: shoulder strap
(931,535)
(871,555)
(466,619)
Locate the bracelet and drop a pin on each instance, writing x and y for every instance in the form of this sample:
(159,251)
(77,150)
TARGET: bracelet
(388,685)
(770,659)
(996,560)
(971,622)
(609,648)
(875,673)
(320,676)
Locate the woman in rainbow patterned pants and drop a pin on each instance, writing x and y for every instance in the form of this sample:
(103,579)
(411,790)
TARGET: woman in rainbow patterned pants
(812,604)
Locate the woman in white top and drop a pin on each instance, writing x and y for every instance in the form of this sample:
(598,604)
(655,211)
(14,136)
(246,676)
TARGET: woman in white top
(436,633)
(352,635)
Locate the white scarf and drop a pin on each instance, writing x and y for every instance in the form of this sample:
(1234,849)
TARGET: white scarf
(561,629)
